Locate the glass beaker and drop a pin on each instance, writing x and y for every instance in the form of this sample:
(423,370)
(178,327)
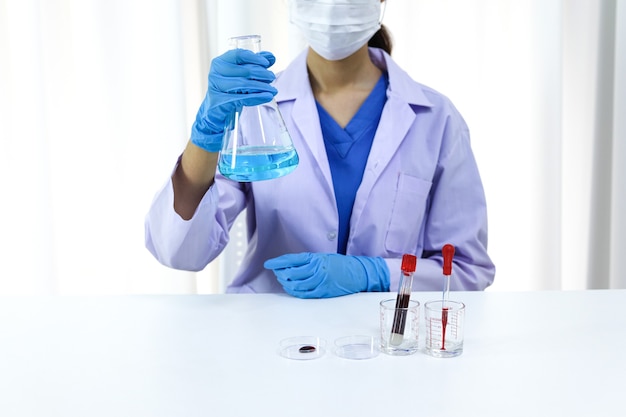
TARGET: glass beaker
(256,144)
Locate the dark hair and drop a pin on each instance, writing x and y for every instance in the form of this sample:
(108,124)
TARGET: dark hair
(382,39)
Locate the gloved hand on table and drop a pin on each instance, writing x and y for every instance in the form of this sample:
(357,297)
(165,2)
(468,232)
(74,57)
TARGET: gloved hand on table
(237,78)
(323,275)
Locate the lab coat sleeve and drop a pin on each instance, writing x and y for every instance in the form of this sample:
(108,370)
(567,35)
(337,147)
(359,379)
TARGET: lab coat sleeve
(191,244)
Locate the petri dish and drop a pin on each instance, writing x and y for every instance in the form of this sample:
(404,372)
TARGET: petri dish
(356,347)
(302,348)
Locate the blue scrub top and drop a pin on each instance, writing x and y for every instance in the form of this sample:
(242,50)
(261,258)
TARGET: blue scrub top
(347,150)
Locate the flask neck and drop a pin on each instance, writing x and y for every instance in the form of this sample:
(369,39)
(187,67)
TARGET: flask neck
(249,42)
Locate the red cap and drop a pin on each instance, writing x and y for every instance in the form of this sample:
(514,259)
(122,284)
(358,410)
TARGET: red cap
(448,254)
(408,263)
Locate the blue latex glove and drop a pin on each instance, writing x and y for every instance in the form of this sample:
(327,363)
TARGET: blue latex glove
(237,78)
(323,275)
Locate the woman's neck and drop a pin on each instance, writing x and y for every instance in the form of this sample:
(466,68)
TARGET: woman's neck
(354,72)
(341,87)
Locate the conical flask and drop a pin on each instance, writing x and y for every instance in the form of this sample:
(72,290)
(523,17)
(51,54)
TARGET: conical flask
(256,145)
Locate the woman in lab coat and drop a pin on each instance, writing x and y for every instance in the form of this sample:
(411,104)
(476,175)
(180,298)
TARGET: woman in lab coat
(385,169)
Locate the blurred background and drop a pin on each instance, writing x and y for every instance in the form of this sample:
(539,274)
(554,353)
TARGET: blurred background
(97,98)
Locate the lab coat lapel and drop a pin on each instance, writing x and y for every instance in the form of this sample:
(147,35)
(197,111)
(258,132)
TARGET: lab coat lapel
(307,122)
(395,122)
(398,114)
(293,84)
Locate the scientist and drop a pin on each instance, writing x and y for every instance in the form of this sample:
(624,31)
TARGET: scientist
(386,168)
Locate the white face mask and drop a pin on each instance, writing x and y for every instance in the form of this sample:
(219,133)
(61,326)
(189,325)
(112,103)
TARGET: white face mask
(336,29)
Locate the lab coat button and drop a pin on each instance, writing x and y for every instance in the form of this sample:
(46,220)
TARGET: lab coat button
(331,235)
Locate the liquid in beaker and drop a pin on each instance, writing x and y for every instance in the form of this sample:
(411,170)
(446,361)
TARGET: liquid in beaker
(444,328)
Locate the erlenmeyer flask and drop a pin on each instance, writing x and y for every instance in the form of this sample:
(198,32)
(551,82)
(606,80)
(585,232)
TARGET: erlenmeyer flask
(256,145)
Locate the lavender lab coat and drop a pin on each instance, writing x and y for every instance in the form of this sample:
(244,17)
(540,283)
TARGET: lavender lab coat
(421,189)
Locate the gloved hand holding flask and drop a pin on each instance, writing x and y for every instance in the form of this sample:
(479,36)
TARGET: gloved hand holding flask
(324,275)
(237,78)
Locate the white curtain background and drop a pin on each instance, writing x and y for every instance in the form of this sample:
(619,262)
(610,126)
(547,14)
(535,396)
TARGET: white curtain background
(97,98)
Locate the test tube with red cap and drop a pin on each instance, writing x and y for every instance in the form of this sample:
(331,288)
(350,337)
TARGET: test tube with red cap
(409,262)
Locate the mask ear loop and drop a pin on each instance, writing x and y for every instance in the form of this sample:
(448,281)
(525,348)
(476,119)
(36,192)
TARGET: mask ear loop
(382,13)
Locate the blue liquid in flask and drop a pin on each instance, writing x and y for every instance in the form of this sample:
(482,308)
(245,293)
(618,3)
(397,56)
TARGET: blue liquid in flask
(256,163)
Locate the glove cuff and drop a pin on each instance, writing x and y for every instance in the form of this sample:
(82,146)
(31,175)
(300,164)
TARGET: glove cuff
(209,142)
(376,272)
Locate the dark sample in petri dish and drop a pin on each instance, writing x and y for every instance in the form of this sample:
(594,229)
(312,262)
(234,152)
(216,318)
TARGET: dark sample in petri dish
(307,349)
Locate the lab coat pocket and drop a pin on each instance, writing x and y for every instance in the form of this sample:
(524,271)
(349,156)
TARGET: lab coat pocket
(407,214)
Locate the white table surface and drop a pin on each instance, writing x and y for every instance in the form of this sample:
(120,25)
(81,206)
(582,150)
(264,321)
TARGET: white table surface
(547,353)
